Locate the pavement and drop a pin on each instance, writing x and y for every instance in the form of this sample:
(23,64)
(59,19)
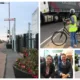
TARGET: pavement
(9,58)
(77,74)
(49,44)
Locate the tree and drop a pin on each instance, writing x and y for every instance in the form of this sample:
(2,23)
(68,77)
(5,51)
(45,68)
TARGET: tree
(0,41)
(76,58)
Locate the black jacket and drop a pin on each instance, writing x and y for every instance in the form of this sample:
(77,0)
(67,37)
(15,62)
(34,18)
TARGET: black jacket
(43,70)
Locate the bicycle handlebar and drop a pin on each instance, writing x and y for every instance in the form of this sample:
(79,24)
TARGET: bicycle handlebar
(65,21)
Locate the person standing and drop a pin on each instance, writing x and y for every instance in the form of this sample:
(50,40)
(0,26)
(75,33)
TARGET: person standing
(73,28)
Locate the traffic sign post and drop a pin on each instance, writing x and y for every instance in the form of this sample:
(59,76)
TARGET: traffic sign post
(9,19)
(14,31)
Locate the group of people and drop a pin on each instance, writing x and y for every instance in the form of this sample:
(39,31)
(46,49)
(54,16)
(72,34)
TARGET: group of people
(64,68)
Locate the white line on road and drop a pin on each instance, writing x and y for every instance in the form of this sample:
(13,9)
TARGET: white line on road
(49,38)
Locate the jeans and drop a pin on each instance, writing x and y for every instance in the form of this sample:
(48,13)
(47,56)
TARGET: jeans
(73,39)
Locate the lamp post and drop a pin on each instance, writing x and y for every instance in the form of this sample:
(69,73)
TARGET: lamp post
(14,32)
(29,33)
(9,20)
(9,15)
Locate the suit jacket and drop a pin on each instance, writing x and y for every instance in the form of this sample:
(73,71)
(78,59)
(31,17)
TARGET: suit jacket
(66,69)
(43,70)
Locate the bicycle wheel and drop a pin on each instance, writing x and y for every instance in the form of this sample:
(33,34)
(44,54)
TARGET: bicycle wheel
(59,38)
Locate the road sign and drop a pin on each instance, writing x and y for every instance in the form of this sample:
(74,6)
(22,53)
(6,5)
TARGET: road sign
(11,19)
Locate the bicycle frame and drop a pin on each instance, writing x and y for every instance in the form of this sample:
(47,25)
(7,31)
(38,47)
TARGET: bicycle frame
(65,29)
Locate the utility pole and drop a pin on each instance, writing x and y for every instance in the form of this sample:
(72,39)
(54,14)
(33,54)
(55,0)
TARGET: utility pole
(29,34)
(15,34)
(9,21)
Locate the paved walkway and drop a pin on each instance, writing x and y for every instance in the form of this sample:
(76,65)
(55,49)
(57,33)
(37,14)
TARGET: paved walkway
(10,59)
(77,74)
(66,45)
(51,45)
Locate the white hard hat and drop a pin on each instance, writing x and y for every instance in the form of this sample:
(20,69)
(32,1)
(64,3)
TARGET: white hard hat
(72,10)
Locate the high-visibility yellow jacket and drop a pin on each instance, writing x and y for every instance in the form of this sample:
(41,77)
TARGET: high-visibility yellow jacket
(73,27)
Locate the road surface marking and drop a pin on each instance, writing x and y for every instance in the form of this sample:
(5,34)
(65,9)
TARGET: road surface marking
(49,38)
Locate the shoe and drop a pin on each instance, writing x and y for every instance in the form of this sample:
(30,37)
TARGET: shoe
(75,46)
(70,47)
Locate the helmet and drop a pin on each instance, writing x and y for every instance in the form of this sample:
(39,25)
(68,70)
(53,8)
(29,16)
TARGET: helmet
(72,11)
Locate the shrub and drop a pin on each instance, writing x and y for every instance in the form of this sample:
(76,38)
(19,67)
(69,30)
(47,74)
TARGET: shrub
(29,63)
(76,68)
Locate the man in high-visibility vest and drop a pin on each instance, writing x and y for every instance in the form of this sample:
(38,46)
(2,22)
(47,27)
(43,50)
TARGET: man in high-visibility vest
(73,28)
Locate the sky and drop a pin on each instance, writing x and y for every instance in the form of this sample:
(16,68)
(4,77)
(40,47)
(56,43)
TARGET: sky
(22,11)
(77,51)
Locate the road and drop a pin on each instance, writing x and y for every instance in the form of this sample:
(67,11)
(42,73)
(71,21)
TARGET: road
(2,47)
(46,33)
(48,29)
(2,60)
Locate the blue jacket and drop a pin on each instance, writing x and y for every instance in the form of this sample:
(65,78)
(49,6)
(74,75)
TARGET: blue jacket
(66,69)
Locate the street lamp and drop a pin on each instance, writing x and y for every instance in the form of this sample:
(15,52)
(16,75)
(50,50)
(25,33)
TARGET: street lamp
(13,32)
(9,15)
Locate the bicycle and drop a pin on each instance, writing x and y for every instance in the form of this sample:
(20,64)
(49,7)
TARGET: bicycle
(60,37)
